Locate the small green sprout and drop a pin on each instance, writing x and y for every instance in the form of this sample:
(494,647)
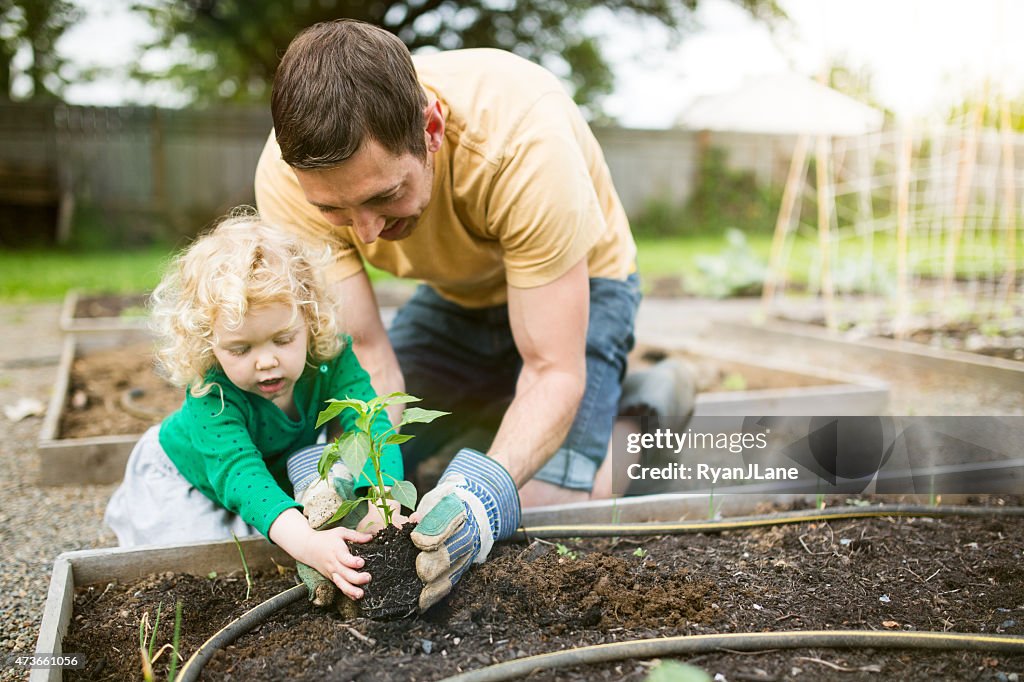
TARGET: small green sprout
(356,446)
(640,552)
(565,551)
(245,565)
(147,644)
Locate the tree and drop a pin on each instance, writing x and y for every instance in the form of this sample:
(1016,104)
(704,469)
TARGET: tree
(237,43)
(34,26)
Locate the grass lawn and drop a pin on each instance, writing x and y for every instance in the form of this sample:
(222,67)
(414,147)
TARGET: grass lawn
(40,275)
(47,275)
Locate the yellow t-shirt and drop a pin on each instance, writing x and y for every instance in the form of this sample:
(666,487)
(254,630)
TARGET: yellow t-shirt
(521,189)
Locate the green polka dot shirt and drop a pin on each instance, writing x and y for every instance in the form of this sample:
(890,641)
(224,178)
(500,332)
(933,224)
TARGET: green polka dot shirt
(235,452)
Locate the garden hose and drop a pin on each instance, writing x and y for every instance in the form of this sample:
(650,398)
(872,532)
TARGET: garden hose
(676,645)
(740,641)
(235,629)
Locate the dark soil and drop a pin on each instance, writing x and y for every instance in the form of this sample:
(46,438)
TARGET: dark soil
(391,559)
(956,574)
(111,305)
(116,392)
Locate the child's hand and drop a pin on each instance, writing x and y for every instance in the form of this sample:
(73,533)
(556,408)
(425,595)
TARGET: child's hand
(326,552)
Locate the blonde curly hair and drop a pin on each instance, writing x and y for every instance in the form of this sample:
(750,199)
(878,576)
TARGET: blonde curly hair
(240,264)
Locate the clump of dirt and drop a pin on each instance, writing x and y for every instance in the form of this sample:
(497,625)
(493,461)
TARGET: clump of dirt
(391,559)
(116,391)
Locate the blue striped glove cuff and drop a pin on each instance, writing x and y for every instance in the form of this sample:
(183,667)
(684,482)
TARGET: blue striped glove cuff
(302,467)
(492,485)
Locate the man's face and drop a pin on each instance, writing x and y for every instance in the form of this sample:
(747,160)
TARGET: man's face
(377,193)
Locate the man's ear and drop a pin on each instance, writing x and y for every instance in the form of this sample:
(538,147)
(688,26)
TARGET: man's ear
(433,126)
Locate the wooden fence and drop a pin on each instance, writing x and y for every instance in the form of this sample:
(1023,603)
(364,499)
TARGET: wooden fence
(157,168)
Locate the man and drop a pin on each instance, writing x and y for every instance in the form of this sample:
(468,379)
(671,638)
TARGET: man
(474,172)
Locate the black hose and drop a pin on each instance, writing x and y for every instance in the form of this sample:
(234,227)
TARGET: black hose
(256,616)
(739,641)
(235,629)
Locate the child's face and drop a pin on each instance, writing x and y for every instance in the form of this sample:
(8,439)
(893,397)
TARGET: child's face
(266,355)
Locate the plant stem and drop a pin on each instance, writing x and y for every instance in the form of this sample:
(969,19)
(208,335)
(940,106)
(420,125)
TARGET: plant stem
(385,508)
(245,565)
(177,638)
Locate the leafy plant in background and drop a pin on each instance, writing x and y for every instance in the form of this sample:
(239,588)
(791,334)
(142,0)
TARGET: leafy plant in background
(722,198)
(736,271)
(355,447)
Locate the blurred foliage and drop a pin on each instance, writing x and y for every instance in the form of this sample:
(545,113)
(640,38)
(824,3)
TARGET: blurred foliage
(736,270)
(722,198)
(34,26)
(857,83)
(228,50)
(991,106)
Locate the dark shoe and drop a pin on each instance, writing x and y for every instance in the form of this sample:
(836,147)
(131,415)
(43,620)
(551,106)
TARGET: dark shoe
(665,389)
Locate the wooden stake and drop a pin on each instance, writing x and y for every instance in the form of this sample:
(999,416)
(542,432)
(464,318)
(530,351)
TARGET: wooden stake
(790,193)
(965,175)
(825,230)
(902,205)
(1009,214)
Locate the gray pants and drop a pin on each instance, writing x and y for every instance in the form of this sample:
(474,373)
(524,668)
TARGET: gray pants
(155,505)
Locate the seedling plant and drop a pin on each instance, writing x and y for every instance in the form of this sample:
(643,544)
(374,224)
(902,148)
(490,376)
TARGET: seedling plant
(357,446)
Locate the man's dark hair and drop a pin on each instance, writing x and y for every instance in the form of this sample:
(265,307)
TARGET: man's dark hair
(339,83)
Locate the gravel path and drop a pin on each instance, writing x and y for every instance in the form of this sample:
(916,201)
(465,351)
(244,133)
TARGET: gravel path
(37,524)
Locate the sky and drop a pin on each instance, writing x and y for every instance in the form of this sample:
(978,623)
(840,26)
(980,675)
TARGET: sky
(923,55)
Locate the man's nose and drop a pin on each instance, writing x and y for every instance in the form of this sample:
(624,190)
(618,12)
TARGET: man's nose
(368,225)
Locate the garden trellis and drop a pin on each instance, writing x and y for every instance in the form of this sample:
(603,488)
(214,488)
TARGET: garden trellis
(904,229)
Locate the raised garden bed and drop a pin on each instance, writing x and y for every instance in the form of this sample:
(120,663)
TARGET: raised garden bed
(107,394)
(99,312)
(883,574)
(997,371)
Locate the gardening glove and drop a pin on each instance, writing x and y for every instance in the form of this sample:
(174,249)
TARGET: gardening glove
(320,499)
(474,505)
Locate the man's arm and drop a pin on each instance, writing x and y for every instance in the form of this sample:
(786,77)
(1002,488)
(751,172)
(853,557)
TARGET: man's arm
(549,325)
(360,317)
(475,503)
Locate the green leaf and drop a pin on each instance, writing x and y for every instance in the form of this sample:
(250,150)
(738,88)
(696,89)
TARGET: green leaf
(671,671)
(327,459)
(354,448)
(398,439)
(364,421)
(405,493)
(390,399)
(345,509)
(416,415)
(336,407)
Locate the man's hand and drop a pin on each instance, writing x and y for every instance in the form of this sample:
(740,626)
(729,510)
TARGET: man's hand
(474,505)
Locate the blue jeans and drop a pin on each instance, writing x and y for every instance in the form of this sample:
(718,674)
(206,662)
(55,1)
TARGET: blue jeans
(464,361)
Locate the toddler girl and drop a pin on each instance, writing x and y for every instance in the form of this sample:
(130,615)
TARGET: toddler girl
(247,325)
